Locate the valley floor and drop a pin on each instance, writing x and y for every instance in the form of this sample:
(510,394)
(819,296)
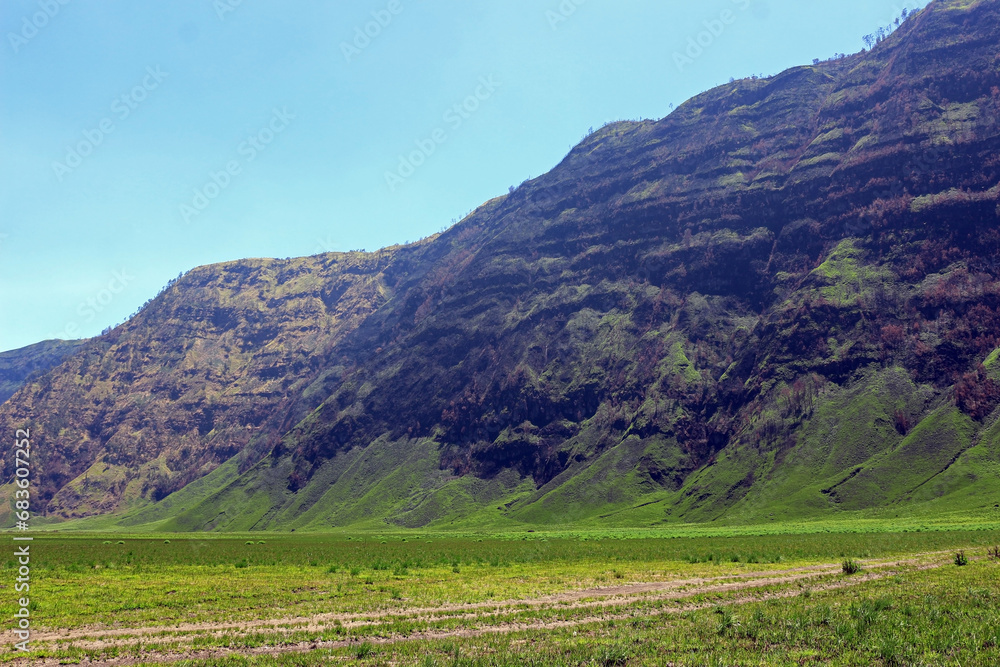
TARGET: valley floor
(534,599)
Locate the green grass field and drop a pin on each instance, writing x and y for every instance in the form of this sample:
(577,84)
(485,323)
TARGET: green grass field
(776,595)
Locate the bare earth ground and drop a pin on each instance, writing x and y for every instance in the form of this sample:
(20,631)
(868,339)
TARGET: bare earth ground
(175,643)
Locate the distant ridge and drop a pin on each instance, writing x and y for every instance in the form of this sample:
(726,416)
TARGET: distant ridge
(19,366)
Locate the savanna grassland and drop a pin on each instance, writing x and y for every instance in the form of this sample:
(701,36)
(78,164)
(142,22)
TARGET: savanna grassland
(702,597)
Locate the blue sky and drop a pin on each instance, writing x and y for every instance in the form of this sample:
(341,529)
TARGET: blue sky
(142,139)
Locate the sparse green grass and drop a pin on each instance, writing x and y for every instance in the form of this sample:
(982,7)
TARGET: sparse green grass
(934,617)
(144,582)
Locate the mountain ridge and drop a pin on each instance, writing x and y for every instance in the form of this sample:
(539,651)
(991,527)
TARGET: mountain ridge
(678,316)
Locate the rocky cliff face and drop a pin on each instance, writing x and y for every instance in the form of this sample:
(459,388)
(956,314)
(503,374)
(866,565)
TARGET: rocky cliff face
(781,300)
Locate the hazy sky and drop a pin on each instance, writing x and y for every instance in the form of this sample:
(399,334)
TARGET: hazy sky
(142,139)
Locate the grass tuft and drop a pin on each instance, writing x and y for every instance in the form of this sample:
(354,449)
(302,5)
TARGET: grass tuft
(614,656)
(851,566)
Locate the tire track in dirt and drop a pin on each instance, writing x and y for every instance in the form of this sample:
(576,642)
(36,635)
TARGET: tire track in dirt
(565,600)
(622,596)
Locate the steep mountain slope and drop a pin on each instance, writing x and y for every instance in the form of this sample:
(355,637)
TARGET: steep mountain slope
(18,366)
(204,373)
(782,300)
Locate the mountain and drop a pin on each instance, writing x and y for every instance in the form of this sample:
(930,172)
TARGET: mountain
(202,374)
(19,366)
(780,301)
